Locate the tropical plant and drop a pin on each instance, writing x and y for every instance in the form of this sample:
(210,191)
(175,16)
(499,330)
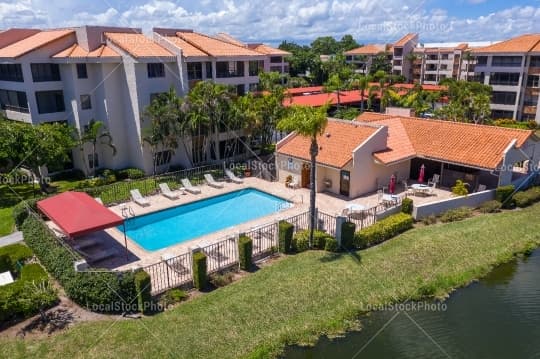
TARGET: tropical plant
(467,101)
(309,122)
(360,82)
(92,133)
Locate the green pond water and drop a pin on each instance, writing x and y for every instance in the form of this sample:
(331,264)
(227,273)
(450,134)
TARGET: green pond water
(496,317)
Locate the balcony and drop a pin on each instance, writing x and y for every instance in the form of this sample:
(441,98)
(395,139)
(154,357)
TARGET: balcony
(534,71)
(531,91)
(529,110)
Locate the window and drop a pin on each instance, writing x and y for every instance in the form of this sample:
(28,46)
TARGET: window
(93,161)
(86,103)
(255,67)
(81,71)
(155,70)
(535,61)
(194,70)
(507,61)
(13,100)
(208,70)
(530,100)
(163,158)
(500,114)
(348,58)
(504,78)
(45,72)
(444,67)
(533,81)
(276,59)
(50,101)
(444,57)
(481,60)
(11,72)
(503,98)
(229,69)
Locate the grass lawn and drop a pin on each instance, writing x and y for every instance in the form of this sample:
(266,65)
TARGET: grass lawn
(10,196)
(301,297)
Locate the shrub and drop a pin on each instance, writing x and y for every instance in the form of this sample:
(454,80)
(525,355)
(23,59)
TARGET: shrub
(5,263)
(429,220)
(490,207)
(331,245)
(407,205)
(286,231)
(97,291)
(383,230)
(200,277)
(143,286)
(347,235)
(129,173)
(71,175)
(301,241)
(245,252)
(17,253)
(173,296)
(503,193)
(526,198)
(221,280)
(20,210)
(457,214)
(33,273)
(460,188)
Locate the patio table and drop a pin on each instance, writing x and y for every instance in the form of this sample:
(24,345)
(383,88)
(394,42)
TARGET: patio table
(389,198)
(418,187)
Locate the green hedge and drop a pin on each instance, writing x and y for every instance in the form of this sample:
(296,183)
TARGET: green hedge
(331,245)
(5,263)
(200,275)
(457,214)
(490,207)
(301,240)
(129,173)
(28,295)
(245,252)
(407,205)
(503,193)
(17,253)
(20,210)
(528,197)
(347,235)
(383,230)
(286,231)
(143,286)
(105,291)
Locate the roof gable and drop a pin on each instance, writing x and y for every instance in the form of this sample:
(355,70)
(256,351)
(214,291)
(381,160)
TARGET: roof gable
(215,47)
(33,42)
(137,45)
(523,43)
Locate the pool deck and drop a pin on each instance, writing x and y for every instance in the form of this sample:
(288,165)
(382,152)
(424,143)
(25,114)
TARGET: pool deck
(326,202)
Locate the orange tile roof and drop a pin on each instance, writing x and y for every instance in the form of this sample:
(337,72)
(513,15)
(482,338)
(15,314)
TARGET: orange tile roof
(523,43)
(76,51)
(366,50)
(215,47)
(226,37)
(372,117)
(454,142)
(11,36)
(336,149)
(33,42)
(188,50)
(137,45)
(268,50)
(405,39)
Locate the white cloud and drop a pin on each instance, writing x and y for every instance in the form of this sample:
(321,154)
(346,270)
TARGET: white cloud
(274,20)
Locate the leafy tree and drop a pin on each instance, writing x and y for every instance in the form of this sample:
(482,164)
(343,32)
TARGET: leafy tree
(361,83)
(302,59)
(294,82)
(347,113)
(94,132)
(347,43)
(310,122)
(325,45)
(382,63)
(467,101)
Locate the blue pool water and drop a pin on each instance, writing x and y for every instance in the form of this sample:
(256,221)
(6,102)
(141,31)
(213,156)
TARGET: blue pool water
(164,228)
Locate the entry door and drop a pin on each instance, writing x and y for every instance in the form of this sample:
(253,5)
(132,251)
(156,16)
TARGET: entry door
(344,183)
(306,172)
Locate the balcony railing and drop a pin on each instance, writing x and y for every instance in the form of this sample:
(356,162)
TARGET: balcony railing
(226,74)
(15,108)
(534,70)
(529,110)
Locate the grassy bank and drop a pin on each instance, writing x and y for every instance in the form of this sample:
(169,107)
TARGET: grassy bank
(303,296)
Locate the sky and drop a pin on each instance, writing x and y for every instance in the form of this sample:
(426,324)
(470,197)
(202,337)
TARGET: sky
(302,21)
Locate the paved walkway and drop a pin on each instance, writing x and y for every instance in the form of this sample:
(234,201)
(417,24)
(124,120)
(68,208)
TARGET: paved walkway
(11,239)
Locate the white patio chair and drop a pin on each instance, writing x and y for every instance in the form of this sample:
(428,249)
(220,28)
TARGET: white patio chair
(189,187)
(166,191)
(408,190)
(294,183)
(481,188)
(434,180)
(138,198)
(230,175)
(211,182)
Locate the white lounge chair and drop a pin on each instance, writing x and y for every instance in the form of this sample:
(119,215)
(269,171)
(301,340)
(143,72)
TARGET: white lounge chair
(294,183)
(166,191)
(189,187)
(211,182)
(233,177)
(408,190)
(138,198)
(434,180)
(85,243)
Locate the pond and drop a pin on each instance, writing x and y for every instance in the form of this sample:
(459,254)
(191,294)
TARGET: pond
(496,317)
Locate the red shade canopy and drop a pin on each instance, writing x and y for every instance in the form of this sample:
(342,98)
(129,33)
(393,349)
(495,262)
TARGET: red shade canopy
(76,213)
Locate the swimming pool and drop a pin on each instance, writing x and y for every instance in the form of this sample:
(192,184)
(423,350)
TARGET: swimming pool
(171,226)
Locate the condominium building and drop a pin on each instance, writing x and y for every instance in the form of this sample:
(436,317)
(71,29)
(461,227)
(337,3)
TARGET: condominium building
(401,59)
(432,63)
(362,57)
(111,74)
(512,68)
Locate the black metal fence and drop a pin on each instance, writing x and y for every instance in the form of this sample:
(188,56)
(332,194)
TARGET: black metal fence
(368,217)
(326,222)
(265,240)
(170,273)
(222,254)
(300,221)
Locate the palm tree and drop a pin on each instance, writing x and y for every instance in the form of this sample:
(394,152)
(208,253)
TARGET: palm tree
(310,122)
(94,132)
(362,83)
(411,58)
(468,56)
(335,84)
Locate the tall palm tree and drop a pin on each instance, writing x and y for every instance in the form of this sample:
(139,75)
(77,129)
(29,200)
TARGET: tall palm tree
(361,82)
(93,133)
(468,56)
(310,122)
